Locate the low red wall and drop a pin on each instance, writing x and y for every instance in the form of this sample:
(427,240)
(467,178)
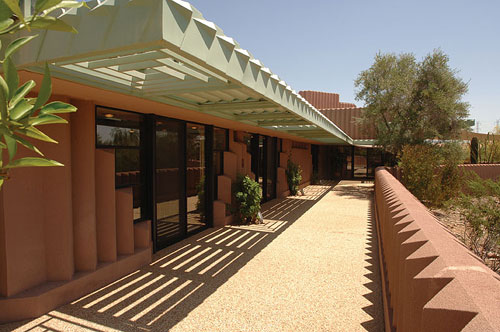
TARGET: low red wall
(485,171)
(434,282)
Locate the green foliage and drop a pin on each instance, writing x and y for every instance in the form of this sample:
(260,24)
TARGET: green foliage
(431,173)
(200,203)
(247,195)
(20,116)
(410,102)
(489,149)
(480,209)
(293,176)
(12,18)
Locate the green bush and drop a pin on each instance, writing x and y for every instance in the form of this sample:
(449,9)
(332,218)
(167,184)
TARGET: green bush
(247,196)
(431,172)
(200,203)
(480,210)
(293,176)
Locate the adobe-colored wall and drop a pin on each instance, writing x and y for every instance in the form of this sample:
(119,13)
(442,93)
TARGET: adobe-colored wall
(238,161)
(347,120)
(485,171)
(434,282)
(48,226)
(83,178)
(38,241)
(303,157)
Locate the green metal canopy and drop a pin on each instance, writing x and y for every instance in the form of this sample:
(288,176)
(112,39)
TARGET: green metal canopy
(164,50)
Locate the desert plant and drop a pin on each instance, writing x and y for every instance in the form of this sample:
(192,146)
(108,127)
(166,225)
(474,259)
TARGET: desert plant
(431,172)
(19,115)
(474,150)
(247,196)
(480,210)
(293,176)
(489,149)
(200,203)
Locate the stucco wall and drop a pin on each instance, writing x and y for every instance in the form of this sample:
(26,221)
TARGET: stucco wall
(485,171)
(49,216)
(238,161)
(434,282)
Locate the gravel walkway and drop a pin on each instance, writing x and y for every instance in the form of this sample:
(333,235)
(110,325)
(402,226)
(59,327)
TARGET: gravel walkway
(310,267)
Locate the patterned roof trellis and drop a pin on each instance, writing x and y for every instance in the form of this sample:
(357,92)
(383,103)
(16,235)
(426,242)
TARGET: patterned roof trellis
(164,50)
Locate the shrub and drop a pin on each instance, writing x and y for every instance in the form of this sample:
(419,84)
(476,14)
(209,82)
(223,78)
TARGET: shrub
(480,209)
(247,195)
(200,203)
(431,172)
(293,176)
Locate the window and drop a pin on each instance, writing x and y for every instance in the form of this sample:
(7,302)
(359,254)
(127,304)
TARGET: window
(121,131)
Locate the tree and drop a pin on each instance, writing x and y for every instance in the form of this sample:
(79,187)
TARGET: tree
(20,116)
(410,102)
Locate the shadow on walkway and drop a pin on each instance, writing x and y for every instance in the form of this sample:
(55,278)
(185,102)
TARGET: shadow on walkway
(375,310)
(181,277)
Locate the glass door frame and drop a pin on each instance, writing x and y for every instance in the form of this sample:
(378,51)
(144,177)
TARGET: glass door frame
(262,164)
(151,151)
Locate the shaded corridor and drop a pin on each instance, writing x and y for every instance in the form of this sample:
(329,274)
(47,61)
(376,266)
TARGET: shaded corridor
(310,267)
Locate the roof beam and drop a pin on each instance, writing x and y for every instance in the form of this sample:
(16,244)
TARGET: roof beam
(184,69)
(237,106)
(265,116)
(271,123)
(180,90)
(127,59)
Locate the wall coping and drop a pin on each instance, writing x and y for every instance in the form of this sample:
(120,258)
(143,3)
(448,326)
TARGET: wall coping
(435,282)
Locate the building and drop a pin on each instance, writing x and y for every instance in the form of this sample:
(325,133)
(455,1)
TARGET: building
(170,110)
(344,161)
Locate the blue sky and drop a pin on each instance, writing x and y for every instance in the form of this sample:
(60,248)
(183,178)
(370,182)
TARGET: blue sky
(324,45)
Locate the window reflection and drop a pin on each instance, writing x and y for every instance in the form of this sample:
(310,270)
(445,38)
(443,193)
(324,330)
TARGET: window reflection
(195,176)
(121,131)
(168,177)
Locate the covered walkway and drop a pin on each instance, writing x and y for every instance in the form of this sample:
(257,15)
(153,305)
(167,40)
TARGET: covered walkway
(312,266)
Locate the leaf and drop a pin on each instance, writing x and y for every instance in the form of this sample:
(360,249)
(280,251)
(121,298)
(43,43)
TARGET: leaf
(41,5)
(16,44)
(5,12)
(4,94)
(45,119)
(10,73)
(35,133)
(11,146)
(32,161)
(57,107)
(5,24)
(52,23)
(67,4)
(21,110)
(14,7)
(22,91)
(45,89)
(27,144)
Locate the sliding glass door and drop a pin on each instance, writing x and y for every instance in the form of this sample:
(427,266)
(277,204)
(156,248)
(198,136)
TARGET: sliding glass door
(183,183)
(169,172)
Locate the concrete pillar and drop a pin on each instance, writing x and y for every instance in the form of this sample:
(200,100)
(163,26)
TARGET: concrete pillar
(142,234)
(83,176)
(124,221)
(105,205)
